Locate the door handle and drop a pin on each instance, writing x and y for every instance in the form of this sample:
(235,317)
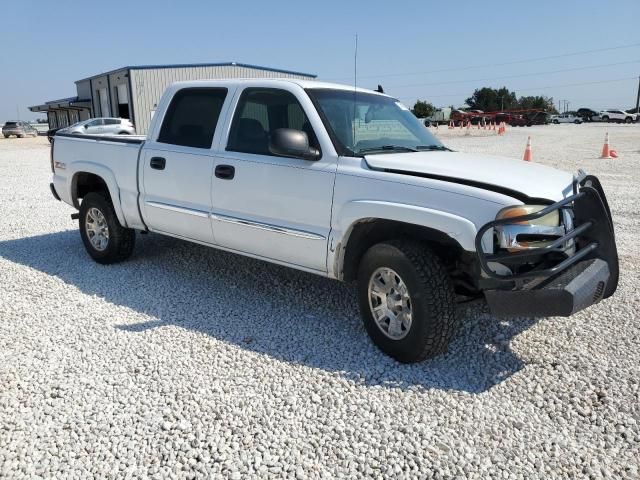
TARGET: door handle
(226,172)
(157,163)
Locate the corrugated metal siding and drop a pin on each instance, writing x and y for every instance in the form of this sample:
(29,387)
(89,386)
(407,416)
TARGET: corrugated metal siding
(148,85)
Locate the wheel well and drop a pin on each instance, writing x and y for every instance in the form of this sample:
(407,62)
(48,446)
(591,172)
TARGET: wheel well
(84,183)
(461,265)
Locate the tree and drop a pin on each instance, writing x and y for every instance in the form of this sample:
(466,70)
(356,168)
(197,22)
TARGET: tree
(423,109)
(538,102)
(490,100)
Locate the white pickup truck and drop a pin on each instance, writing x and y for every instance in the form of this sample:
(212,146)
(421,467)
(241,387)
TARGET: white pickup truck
(347,184)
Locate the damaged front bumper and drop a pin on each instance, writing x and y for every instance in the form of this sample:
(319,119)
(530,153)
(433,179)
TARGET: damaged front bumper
(565,281)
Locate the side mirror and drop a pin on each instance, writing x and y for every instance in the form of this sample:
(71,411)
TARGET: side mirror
(287,142)
(86,126)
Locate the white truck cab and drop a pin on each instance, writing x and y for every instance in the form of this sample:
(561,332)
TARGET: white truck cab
(348,184)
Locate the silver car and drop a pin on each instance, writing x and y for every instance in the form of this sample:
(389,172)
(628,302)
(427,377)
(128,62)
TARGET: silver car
(101,126)
(19,129)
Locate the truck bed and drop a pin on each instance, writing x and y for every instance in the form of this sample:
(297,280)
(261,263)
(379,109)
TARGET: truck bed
(112,157)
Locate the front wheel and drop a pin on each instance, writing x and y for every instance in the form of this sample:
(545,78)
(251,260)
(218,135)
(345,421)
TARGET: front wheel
(628,120)
(605,119)
(406,300)
(104,238)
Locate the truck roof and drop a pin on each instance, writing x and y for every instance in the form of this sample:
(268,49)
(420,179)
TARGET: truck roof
(272,82)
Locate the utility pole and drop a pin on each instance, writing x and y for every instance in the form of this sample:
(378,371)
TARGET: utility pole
(638,97)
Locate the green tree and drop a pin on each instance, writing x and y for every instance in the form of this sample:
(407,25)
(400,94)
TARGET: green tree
(491,99)
(423,109)
(538,102)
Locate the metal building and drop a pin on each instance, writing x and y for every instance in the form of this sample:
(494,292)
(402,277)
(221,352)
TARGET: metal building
(133,92)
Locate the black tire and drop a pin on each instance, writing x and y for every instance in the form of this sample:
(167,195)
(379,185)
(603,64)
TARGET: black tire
(121,240)
(605,119)
(431,296)
(628,120)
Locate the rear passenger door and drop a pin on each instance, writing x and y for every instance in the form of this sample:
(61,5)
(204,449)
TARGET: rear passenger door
(111,126)
(177,166)
(94,127)
(267,205)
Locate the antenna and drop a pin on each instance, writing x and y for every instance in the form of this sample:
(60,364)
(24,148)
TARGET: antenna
(355,86)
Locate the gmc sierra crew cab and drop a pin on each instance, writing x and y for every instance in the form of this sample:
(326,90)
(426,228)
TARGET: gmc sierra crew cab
(348,184)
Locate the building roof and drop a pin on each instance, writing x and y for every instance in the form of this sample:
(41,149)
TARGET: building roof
(69,102)
(193,65)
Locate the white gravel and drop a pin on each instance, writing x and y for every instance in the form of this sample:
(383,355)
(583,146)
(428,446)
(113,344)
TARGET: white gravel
(187,362)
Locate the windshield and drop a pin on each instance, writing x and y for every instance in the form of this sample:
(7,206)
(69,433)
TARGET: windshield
(361,123)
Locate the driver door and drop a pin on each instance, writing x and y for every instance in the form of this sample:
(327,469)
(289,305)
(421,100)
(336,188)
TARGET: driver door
(267,205)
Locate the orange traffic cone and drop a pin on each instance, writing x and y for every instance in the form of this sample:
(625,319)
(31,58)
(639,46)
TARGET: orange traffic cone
(605,148)
(528,154)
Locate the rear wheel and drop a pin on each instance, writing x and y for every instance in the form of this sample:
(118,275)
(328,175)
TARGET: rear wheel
(104,238)
(406,300)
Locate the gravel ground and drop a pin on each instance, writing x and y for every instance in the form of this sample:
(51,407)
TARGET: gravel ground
(187,362)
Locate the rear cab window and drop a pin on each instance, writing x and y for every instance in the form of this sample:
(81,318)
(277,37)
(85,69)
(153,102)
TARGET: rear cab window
(192,117)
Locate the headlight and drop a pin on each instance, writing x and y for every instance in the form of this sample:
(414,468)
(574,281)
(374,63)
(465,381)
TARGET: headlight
(522,235)
(549,220)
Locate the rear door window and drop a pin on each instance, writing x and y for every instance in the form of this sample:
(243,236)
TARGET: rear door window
(192,117)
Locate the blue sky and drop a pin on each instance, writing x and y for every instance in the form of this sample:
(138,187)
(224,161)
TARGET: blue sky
(438,51)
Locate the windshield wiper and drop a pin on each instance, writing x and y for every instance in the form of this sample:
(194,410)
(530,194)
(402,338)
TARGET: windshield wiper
(439,148)
(391,148)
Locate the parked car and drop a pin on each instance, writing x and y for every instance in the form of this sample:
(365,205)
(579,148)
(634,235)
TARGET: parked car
(618,116)
(537,118)
(279,170)
(588,115)
(19,129)
(102,126)
(567,118)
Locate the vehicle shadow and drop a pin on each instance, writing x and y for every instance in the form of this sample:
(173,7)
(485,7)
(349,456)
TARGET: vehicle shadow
(288,315)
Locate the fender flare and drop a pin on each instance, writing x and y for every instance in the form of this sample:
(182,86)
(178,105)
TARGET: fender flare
(459,229)
(109,179)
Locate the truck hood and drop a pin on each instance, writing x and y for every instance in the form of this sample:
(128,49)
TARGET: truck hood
(516,178)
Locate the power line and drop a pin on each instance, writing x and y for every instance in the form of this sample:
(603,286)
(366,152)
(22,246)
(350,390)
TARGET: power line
(514,62)
(513,76)
(540,88)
